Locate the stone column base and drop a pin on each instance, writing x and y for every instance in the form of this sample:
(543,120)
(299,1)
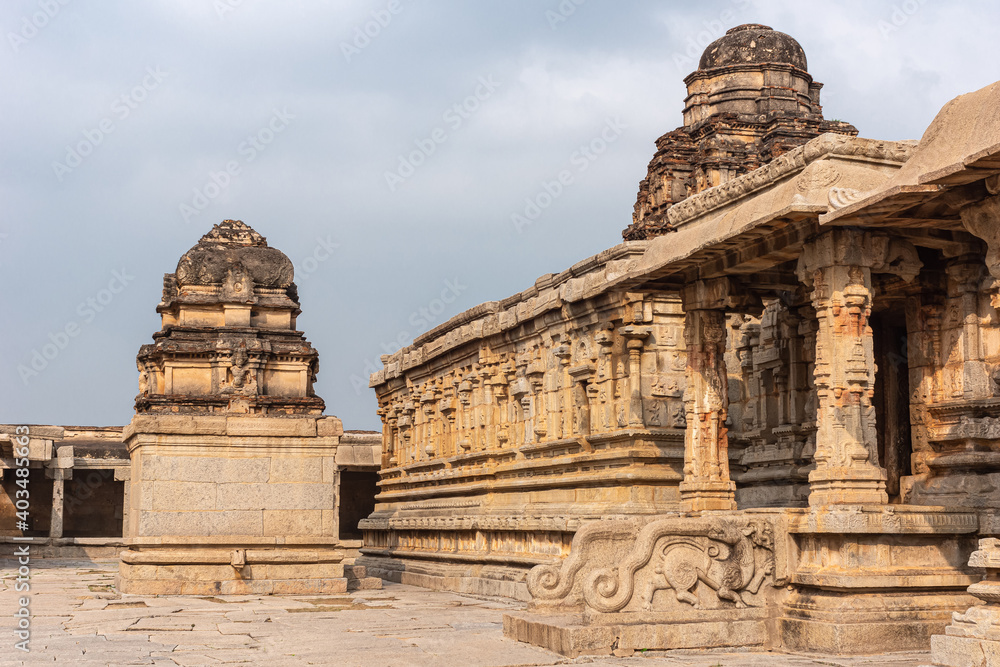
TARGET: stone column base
(949,651)
(817,621)
(973,638)
(572,635)
(706,496)
(847,486)
(231,571)
(478,579)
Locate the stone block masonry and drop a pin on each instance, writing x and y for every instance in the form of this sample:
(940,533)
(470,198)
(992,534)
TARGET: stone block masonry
(234,468)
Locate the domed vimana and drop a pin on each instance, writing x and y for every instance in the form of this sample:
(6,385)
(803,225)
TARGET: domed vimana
(750,101)
(228,342)
(753,43)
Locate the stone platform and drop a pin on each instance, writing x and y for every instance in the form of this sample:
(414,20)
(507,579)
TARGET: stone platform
(80,619)
(843,580)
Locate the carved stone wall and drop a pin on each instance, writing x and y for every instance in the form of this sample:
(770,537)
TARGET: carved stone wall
(830,369)
(664,566)
(502,435)
(954,362)
(773,405)
(662,581)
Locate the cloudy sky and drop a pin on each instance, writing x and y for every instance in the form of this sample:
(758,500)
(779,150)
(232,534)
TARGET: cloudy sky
(385,146)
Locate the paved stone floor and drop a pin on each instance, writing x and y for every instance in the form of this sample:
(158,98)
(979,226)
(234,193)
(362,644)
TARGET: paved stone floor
(80,620)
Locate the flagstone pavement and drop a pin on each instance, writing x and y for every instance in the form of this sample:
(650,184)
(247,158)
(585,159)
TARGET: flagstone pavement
(79,620)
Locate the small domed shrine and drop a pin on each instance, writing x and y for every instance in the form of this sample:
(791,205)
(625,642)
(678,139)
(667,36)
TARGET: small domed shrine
(750,100)
(236,474)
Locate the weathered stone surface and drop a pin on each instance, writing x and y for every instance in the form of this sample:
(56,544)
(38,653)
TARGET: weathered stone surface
(228,343)
(296,470)
(750,101)
(828,357)
(232,247)
(973,638)
(594,402)
(402,625)
(232,460)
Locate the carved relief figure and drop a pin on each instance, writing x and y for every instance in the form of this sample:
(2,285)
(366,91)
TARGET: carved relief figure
(729,566)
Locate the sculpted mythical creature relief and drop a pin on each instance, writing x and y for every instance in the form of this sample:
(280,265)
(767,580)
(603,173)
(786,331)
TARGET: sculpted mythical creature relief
(729,565)
(731,556)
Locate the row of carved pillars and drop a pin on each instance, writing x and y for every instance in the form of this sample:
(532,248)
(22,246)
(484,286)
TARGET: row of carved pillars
(837,267)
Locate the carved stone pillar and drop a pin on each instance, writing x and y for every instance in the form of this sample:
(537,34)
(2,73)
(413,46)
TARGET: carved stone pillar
(387,427)
(536,378)
(562,426)
(837,266)
(706,484)
(582,375)
(635,337)
(407,445)
(972,379)
(468,433)
(501,413)
(426,449)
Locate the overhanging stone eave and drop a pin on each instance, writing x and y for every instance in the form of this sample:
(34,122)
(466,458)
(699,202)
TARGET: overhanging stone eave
(961,146)
(895,205)
(798,186)
(681,264)
(873,207)
(791,188)
(828,147)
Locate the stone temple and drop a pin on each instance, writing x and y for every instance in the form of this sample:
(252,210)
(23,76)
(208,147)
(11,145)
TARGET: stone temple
(770,418)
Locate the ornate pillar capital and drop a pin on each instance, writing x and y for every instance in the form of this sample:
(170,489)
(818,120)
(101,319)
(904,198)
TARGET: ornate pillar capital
(848,247)
(983,220)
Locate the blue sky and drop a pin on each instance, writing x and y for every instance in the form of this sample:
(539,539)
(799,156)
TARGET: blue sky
(384,146)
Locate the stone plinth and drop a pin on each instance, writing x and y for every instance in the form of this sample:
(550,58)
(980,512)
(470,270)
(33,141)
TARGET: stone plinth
(973,638)
(854,580)
(662,582)
(231,505)
(875,578)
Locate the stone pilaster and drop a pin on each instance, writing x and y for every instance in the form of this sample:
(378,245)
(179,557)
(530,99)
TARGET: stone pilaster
(582,376)
(56,523)
(707,485)
(837,267)
(635,336)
